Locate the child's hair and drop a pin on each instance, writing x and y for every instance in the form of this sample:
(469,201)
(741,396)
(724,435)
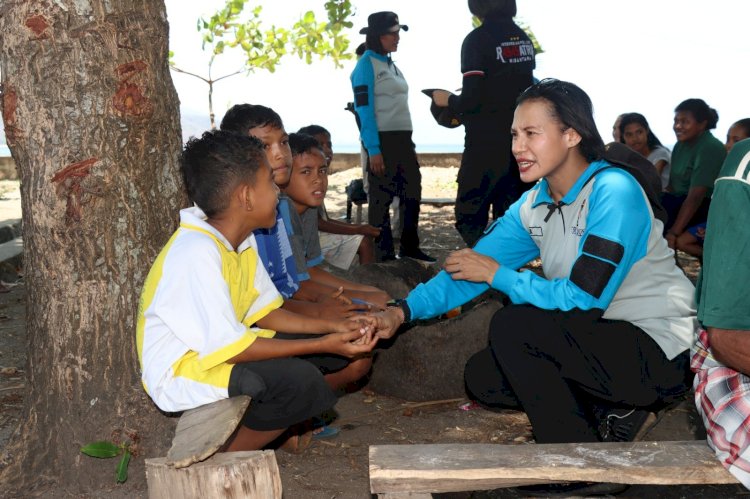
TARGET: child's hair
(242,117)
(700,111)
(300,143)
(638,118)
(360,50)
(744,124)
(314,130)
(485,8)
(214,165)
(572,107)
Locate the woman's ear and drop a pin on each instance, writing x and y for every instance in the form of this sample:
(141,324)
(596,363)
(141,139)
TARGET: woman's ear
(572,137)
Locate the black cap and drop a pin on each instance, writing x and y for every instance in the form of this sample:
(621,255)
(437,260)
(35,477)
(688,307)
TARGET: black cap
(381,23)
(444,116)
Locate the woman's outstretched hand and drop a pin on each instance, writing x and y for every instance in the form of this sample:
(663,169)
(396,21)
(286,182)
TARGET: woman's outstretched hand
(468,265)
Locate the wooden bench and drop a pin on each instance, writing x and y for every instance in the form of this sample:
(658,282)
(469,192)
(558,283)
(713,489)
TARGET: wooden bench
(437,202)
(194,469)
(417,471)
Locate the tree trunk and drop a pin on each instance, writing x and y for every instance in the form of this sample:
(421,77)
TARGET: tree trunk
(92,120)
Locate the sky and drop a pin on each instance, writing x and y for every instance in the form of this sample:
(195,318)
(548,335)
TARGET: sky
(636,55)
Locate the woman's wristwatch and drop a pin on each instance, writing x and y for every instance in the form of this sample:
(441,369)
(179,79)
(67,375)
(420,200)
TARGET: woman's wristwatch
(401,303)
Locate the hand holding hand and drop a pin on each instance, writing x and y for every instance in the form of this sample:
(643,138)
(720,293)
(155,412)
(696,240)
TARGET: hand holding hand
(349,344)
(468,265)
(338,306)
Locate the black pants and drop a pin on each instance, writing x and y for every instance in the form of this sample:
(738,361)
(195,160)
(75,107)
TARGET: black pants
(284,392)
(488,177)
(403,179)
(562,367)
(672,205)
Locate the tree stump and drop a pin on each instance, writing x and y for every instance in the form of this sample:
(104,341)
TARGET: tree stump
(225,475)
(427,361)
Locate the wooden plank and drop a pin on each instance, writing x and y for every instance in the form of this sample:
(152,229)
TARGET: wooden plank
(225,475)
(203,430)
(462,467)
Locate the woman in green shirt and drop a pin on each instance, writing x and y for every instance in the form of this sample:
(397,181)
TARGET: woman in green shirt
(696,161)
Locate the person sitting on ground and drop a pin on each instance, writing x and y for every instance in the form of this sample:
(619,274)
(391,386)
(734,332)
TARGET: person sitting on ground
(209,311)
(340,242)
(721,355)
(691,241)
(306,189)
(591,349)
(282,253)
(637,135)
(696,161)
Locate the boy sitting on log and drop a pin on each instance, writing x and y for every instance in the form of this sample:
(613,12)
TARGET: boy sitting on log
(209,311)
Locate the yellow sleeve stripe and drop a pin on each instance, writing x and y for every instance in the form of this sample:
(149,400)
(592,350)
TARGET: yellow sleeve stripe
(252,319)
(225,353)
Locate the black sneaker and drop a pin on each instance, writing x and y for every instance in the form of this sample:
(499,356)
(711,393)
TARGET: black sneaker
(626,425)
(416,254)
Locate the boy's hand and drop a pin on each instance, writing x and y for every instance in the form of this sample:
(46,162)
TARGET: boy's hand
(364,324)
(348,344)
(369,230)
(468,265)
(338,306)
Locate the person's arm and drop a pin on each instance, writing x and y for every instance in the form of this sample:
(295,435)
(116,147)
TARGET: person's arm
(687,210)
(289,322)
(616,237)
(507,241)
(660,165)
(473,68)
(338,227)
(348,345)
(731,347)
(330,308)
(708,161)
(363,83)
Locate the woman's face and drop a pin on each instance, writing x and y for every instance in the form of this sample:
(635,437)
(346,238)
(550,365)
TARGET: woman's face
(635,136)
(734,135)
(686,127)
(389,41)
(540,145)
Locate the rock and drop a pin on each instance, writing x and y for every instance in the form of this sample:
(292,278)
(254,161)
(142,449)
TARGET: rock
(427,361)
(396,277)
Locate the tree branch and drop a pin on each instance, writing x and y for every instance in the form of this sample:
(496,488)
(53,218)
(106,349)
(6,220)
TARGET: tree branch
(175,68)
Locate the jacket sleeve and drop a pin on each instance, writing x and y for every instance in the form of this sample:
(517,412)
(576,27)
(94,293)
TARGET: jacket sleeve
(363,83)
(474,70)
(507,241)
(615,238)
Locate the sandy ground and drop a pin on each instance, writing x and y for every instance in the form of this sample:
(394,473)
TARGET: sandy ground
(338,467)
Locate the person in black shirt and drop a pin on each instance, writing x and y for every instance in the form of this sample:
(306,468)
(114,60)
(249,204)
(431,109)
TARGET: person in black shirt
(497,60)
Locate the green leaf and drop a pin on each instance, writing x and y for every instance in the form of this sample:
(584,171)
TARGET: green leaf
(102,449)
(122,467)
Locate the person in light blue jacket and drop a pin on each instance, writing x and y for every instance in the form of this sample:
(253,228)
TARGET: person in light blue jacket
(381,104)
(598,343)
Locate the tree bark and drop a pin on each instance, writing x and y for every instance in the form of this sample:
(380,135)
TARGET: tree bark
(92,121)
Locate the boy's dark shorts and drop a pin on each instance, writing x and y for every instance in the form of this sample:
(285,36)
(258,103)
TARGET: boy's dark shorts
(326,363)
(284,392)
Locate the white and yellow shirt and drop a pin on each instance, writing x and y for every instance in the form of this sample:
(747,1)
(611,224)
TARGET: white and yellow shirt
(197,310)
